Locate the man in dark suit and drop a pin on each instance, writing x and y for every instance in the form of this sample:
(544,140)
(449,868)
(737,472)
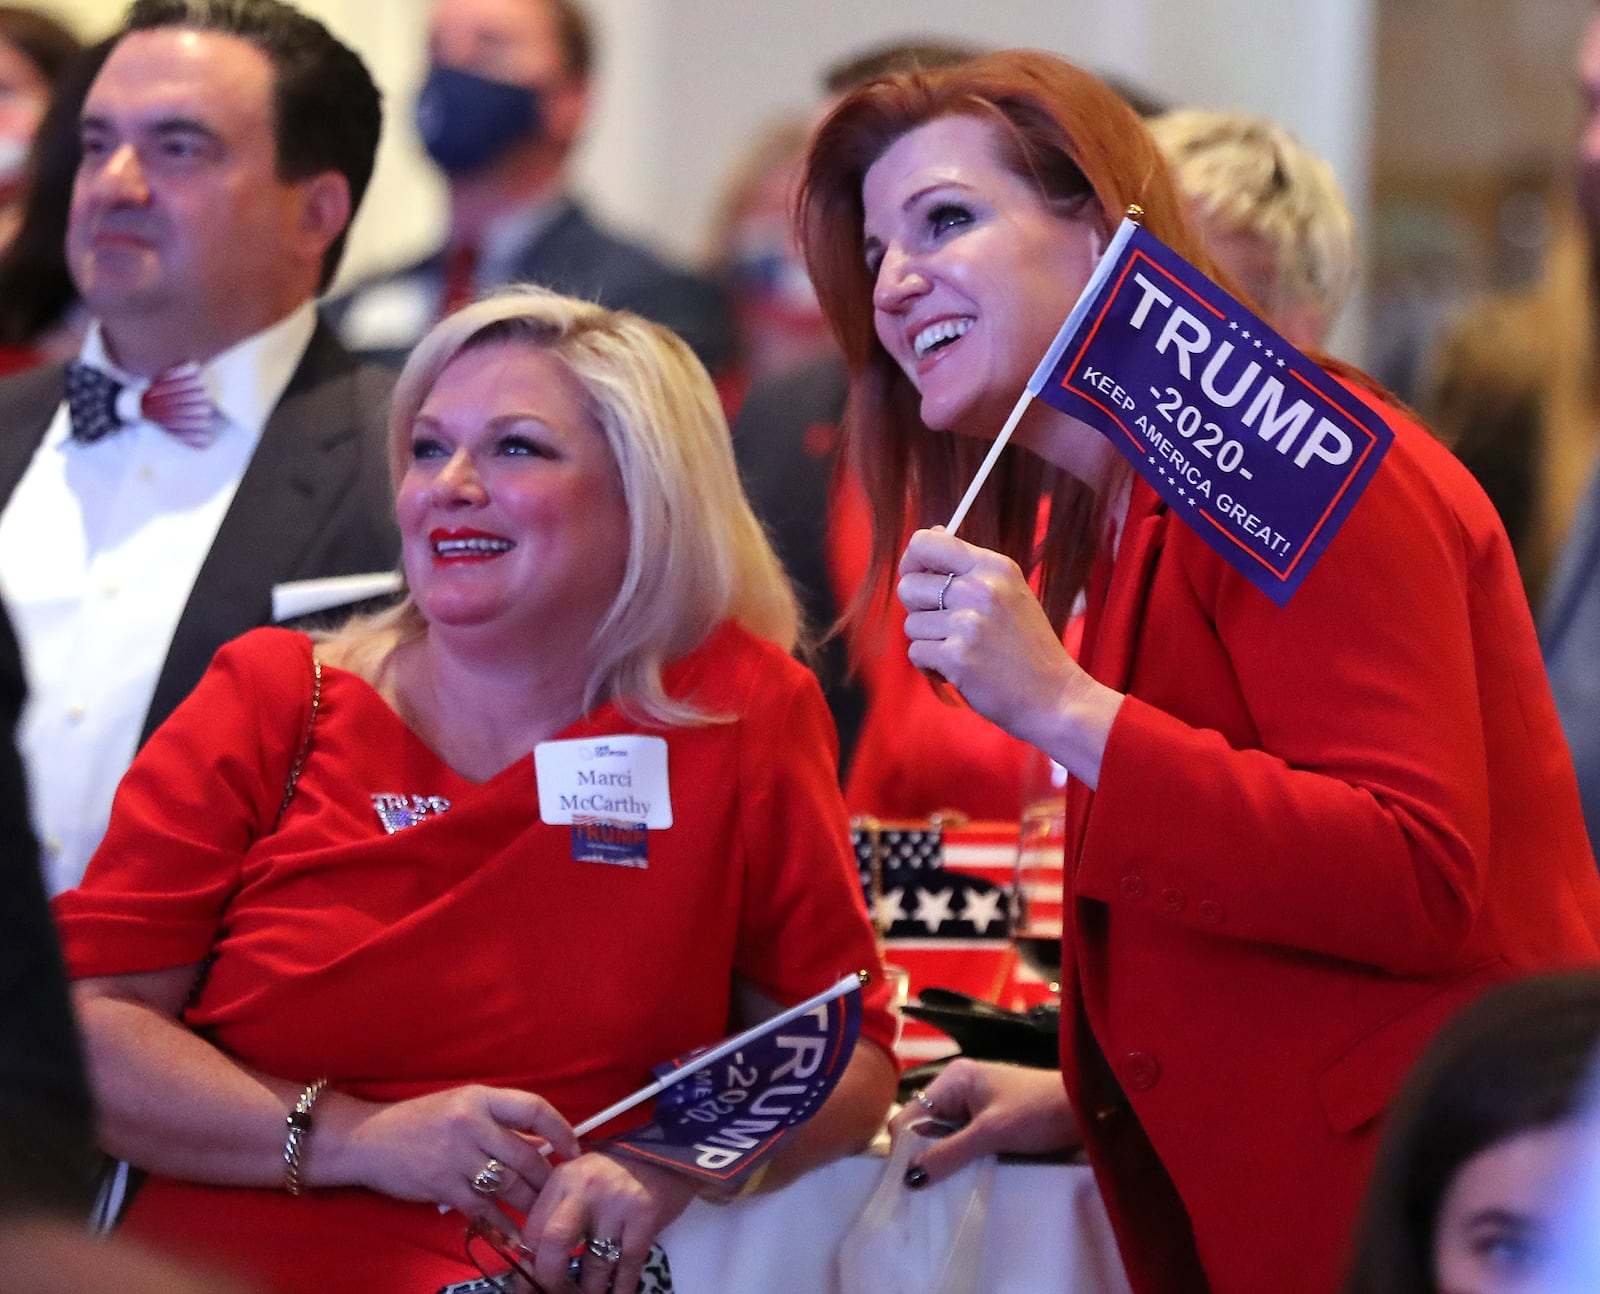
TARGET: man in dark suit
(500,114)
(214,442)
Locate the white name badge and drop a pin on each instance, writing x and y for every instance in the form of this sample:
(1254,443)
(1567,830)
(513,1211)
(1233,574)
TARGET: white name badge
(623,779)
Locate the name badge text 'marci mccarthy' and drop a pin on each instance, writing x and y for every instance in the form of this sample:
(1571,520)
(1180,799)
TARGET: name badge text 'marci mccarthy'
(621,778)
(1248,441)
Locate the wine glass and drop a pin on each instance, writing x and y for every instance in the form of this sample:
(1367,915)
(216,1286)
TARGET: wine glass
(897,977)
(1036,901)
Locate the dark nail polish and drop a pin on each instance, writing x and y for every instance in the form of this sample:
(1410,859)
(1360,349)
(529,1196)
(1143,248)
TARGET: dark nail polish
(916,1177)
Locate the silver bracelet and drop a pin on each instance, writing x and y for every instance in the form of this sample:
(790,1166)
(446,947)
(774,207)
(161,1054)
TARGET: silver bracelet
(300,1125)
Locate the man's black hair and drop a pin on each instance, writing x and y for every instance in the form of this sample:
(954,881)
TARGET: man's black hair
(327,113)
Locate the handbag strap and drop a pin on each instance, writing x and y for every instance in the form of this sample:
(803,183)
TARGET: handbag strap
(305,741)
(120,1179)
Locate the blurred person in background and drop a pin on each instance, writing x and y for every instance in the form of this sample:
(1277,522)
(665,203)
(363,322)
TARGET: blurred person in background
(1517,395)
(41,314)
(1509,392)
(1569,619)
(786,439)
(36,52)
(1271,212)
(501,114)
(756,258)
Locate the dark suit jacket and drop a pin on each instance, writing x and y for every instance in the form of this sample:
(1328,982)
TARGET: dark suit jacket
(47,1158)
(314,501)
(575,256)
(785,439)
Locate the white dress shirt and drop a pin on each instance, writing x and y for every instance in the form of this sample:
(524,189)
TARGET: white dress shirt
(100,545)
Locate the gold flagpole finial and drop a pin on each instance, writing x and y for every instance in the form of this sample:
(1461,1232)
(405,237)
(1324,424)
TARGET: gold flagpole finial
(1135,213)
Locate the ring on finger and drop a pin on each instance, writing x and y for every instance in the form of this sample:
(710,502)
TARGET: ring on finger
(948,581)
(489,1179)
(605,1248)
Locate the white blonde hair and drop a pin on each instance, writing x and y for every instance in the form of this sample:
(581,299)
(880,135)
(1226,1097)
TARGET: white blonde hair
(697,556)
(1246,176)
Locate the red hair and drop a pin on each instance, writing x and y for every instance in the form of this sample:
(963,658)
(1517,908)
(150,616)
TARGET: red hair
(1090,157)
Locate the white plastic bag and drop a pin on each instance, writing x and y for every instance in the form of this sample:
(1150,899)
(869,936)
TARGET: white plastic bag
(919,1242)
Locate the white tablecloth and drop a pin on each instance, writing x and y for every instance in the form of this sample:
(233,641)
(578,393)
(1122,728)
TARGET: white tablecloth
(1047,1233)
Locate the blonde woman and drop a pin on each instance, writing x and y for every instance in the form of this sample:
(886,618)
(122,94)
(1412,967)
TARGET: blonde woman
(382,1000)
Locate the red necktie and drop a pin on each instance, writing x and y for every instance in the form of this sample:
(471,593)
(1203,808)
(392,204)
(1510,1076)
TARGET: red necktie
(460,278)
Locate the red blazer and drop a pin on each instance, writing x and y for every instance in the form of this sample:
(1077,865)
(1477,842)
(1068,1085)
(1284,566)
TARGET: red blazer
(1319,830)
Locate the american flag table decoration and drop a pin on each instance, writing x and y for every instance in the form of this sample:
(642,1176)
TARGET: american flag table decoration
(940,895)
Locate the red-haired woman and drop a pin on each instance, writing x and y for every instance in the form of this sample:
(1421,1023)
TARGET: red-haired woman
(1298,838)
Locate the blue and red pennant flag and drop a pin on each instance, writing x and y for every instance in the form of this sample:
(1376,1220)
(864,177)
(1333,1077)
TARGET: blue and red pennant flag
(720,1119)
(1253,445)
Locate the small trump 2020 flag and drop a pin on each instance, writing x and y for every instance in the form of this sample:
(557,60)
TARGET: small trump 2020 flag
(721,1110)
(1247,440)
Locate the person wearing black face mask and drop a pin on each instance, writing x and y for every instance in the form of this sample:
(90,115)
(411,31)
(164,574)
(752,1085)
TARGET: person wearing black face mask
(500,112)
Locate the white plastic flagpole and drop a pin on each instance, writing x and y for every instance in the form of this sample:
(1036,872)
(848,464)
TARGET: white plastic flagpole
(987,466)
(726,1048)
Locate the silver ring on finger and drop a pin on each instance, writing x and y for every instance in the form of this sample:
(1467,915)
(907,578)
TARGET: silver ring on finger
(948,581)
(489,1179)
(605,1248)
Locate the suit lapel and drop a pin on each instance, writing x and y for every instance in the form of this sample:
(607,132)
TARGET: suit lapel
(28,402)
(564,256)
(300,470)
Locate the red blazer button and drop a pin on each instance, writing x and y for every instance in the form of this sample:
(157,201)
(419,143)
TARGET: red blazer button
(1143,1070)
(1133,887)
(1211,912)
(1174,900)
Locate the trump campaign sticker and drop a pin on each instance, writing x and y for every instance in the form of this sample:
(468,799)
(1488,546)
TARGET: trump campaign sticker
(603,840)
